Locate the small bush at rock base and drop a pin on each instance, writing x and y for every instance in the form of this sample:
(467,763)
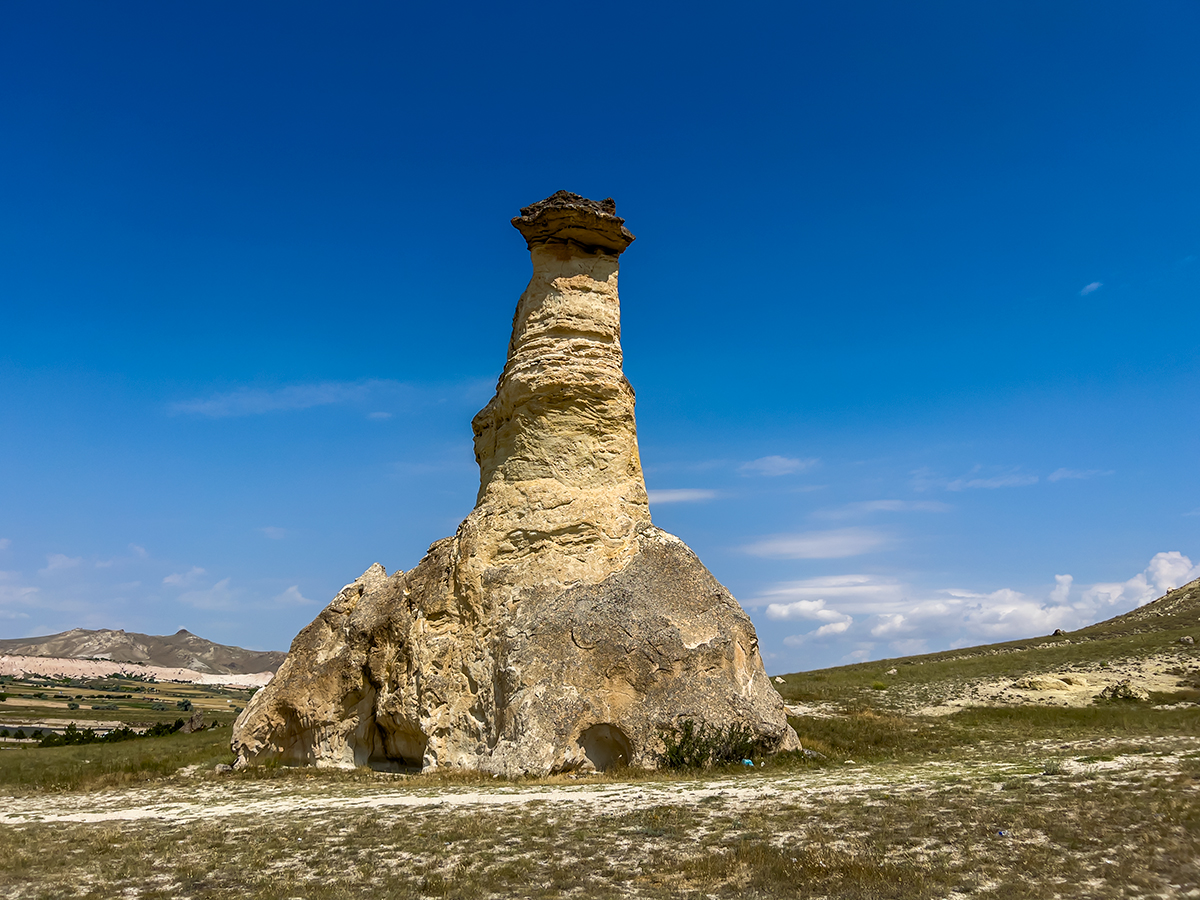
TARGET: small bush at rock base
(692,746)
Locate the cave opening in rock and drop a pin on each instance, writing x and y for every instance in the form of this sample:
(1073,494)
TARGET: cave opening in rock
(398,747)
(605,746)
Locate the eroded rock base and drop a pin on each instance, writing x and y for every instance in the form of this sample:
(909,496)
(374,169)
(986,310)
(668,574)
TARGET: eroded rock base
(400,672)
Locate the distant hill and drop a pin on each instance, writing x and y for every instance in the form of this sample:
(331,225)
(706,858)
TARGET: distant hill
(180,650)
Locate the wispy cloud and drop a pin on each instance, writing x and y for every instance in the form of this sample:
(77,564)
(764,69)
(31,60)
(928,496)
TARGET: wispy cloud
(980,477)
(1194,512)
(866,507)
(5,543)
(805,609)
(257,401)
(293,597)
(182,579)
(138,552)
(379,415)
(274,533)
(16,593)
(834,544)
(773,466)
(1060,474)
(850,591)
(681,495)
(1091,288)
(1012,478)
(57,561)
(217,597)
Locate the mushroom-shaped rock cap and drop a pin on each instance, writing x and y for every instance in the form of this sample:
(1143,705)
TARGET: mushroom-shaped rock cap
(564,216)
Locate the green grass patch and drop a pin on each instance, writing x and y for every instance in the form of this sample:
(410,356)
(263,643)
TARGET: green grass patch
(94,766)
(874,736)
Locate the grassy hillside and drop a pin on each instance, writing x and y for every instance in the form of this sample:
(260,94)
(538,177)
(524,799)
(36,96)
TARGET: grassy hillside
(1148,644)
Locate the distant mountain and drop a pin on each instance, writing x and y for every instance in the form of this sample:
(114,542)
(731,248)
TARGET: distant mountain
(179,650)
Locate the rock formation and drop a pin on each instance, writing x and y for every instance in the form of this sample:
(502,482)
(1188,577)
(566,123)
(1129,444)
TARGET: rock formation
(558,629)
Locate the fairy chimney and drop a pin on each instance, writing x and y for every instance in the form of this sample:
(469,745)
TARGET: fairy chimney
(558,629)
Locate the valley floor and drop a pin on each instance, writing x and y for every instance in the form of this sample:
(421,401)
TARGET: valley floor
(1098,817)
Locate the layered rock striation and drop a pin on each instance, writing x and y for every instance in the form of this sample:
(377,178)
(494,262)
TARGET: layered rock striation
(558,628)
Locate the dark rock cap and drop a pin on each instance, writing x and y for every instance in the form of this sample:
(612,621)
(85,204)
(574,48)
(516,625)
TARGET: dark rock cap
(563,217)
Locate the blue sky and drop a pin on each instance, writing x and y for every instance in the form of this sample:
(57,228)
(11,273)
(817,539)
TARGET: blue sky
(911,315)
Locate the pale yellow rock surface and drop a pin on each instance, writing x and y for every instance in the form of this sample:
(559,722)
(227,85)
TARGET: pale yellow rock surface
(558,629)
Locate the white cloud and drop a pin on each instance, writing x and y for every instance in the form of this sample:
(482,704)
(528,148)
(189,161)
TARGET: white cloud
(1166,571)
(58,561)
(890,624)
(795,640)
(1194,512)
(139,551)
(180,579)
(834,544)
(835,622)
(773,466)
(1060,474)
(681,495)
(912,620)
(293,597)
(217,597)
(1062,588)
(257,401)
(805,609)
(274,533)
(1091,288)
(5,543)
(867,507)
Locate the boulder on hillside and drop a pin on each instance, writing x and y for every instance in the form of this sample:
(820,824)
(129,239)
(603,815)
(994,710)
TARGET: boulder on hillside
(1123,690)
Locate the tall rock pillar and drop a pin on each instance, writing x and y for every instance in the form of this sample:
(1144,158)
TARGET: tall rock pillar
(558,629)
(559,471)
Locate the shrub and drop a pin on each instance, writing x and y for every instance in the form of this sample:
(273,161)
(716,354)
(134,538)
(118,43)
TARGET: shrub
(73,735)
(692,746)
(185,705)
(72,705)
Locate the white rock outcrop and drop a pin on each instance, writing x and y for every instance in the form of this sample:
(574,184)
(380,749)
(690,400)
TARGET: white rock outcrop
(558,628)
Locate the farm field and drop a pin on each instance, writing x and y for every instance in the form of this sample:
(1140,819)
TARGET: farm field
(34,704)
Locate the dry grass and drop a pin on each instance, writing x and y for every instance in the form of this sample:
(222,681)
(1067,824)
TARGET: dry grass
(1117,820)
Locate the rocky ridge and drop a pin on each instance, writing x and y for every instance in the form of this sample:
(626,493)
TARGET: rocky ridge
(558,629)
